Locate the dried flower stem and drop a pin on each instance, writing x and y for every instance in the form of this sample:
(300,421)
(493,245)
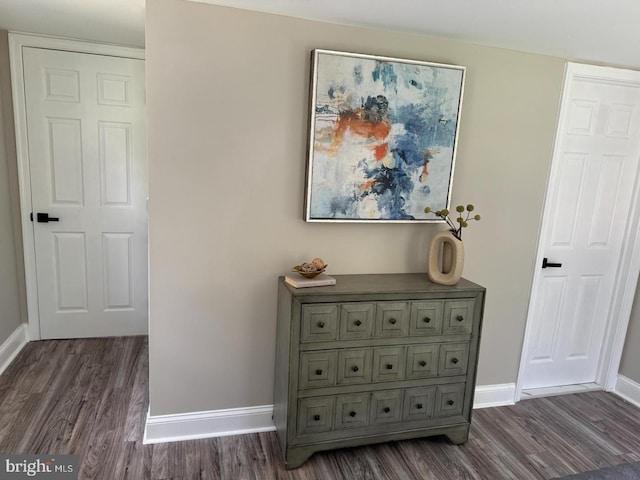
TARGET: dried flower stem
(462,221)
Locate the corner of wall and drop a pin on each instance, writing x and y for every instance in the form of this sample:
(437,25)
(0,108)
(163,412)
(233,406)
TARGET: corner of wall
(12,346)
(8,145)
(499,395)
(628,390)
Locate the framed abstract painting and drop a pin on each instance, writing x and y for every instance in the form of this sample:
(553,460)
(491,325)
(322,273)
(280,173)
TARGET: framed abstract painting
(382,138)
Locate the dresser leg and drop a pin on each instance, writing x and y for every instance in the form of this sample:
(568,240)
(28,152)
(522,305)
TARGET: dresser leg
(458,435)
(296,457)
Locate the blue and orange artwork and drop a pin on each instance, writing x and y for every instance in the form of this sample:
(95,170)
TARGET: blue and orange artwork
(383,137)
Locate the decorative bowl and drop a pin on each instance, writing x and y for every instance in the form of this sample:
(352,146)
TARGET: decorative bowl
(311,274)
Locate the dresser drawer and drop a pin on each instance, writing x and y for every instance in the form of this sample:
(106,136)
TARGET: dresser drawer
(386,407)
(315,415)
(354,366)
(392,320)
(418,403)
(317,369)
(422,361)
(449,400)
(458,316)
(356,321)
(319,323)
(388,364)
(352,411)
(453,359)
(426,318)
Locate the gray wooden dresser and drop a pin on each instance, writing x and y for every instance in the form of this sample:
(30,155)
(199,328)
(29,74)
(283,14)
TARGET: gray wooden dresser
(374,358)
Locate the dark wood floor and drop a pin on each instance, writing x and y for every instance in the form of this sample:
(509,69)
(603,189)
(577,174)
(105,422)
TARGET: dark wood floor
(89,397)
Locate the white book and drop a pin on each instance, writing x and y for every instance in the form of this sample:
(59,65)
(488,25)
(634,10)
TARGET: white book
(298,281)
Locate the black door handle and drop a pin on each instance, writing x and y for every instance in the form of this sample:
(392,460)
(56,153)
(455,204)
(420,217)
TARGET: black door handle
(44,218)
(546,264)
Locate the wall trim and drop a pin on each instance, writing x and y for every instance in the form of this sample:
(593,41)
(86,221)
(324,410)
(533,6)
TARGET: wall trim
(498,395)
(239,421)
(213,423)
(12,346)
(628,389)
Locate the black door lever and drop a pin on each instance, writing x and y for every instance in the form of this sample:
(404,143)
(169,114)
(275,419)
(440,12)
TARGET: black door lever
(44,218)
(546,264)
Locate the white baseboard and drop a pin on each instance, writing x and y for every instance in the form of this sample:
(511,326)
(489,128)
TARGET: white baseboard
(214,423)
(238,421)
(628,389)
(497,395)
(12,346)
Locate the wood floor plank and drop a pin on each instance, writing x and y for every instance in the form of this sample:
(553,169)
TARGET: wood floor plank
(615,423)
(445,462)
(138,405)
(242,457)
(274,469)
(352,463)
(160,460)
(36,363)
(501,446)
(20,426)
(53,422)
(599,449)
(89,397)
(579,443)
(209,452)
(388,459)
(90,403)
(134,464)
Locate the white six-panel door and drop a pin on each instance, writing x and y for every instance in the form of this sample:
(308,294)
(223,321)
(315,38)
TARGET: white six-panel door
(594,170)
(85,118)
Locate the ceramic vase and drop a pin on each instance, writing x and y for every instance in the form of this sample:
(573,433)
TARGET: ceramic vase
(445,259)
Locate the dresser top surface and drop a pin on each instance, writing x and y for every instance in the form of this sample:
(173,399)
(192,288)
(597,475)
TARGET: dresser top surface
(383,283)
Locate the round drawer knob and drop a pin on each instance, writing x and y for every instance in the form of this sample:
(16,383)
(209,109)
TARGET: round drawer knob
(460,318)
(423,363)
(426,319)
(389,366)
(318,372)
(392,321)
(320,324)
(316,417)
(352,414)
(454,360)
(355,368)
(450,402)
(358,323)
(419,406)
(386,409)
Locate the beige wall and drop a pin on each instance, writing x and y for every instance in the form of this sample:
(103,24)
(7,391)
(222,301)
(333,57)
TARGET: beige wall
(228,99)
(12,297)
(630,364)
(227,107)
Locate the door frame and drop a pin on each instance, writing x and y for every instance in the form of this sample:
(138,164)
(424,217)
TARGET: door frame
(17,41)
(626,277)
